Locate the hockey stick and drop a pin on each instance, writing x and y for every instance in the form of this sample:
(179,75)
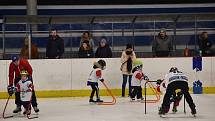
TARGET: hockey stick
(28,115)
(5,109)
(155,91)
(157,94)
(110,93)
(29,107)
(184,106)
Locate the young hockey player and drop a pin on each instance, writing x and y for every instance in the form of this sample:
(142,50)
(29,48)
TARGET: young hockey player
(137,77)
(176,80)
(25,87)
(15,67)
(175,97)
(94,77)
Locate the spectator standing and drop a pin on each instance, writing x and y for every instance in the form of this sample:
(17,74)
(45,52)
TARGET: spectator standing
(25,50)
(205,44)
(55,46)
(103,51)
(162,45)
(127,57)
(87,37)
(85,50)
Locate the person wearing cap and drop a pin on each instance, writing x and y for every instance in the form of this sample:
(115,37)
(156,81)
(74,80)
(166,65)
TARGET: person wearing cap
(15,67)
(127,57)
(162,45)
(85,50)
(103,51)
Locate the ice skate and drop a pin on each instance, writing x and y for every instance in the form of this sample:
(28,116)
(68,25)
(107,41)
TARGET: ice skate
(161,111)
(141,100)
(99,101)
(138,100)
(193,112)
(132,99)
(17,110)
(174,109)
(36,109)
(92,101)
(27,112)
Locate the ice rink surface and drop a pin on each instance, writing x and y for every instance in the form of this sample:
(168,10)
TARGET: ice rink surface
(78,109)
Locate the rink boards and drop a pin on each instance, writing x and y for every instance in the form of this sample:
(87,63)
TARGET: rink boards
(68,77)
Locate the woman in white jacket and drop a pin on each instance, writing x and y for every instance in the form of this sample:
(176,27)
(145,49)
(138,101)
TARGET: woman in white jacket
(126,59)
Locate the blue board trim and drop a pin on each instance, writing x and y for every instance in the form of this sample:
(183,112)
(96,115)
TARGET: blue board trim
(110,11)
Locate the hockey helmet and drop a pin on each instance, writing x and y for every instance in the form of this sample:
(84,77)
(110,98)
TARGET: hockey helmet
(24,72)
(173,69)
(137,64)
(100,64)
(14,58)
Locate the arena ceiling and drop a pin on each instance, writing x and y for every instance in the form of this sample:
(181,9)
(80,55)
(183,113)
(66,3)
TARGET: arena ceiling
(102,2)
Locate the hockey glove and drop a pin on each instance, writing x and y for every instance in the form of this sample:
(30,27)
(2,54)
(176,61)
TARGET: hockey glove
(158,89)
(164,85)
(146,78)
(102,80)
(10,90)
(159,81)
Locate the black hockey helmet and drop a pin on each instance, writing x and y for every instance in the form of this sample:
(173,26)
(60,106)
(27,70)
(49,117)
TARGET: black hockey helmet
(100,64)
(173,69)
(14,58)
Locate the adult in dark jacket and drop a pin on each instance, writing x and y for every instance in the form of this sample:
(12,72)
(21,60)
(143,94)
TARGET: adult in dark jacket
(103,51)
(55,46)
(162,45)
(205,44)
(85,51)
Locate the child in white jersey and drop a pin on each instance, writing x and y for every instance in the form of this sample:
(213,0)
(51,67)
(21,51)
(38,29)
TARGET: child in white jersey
(94,77)
(137,77)
(25,87)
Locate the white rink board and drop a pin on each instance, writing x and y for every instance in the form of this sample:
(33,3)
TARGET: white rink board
(81,69)
(72,74)
(4,67)
(52,74)
(212,80)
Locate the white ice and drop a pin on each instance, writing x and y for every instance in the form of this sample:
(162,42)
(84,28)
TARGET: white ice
(78,109)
